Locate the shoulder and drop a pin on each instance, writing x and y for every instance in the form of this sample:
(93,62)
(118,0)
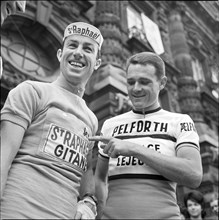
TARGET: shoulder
(117,118)
(174,115)
(28,84)
(37,85)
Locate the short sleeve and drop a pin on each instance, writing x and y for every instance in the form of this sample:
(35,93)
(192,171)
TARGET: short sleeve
(186,133)
(100,150)
(21,105)
(95,125)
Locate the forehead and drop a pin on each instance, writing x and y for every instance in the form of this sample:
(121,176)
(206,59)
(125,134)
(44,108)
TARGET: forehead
(192,201)
(141,71)
(81,40)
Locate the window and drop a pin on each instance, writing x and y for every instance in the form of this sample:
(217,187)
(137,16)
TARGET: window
(25,55)
(215,81)
(134,18)
(153,34)
(198,72)
(135,25)
(214,74)
(142,27)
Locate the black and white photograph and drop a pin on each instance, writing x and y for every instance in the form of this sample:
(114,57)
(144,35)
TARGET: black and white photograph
(109,109)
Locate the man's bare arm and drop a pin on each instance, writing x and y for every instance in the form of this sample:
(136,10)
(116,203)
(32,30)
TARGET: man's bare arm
(185,168)
(11,138)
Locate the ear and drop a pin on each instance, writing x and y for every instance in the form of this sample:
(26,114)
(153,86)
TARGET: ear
(163,82)
(59,54)
(97,64)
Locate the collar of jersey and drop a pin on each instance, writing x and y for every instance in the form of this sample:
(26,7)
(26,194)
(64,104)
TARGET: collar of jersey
(147,112)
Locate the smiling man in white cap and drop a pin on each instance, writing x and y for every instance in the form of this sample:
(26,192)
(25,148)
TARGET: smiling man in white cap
(78,56)
(46,165)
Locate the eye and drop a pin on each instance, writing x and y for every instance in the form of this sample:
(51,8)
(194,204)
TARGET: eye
(131,82)
(144,82)
(72,45)
(88,49)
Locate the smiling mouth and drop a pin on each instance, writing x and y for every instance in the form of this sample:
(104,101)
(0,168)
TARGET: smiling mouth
(137,97)
(76,64)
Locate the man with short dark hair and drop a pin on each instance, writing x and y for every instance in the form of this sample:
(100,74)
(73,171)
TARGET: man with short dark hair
(145,152)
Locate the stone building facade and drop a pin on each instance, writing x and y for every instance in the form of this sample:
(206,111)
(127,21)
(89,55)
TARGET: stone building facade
(185,34)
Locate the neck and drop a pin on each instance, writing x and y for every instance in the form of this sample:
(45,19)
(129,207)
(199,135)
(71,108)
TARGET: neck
(196,217)
(151,108)
(77,89)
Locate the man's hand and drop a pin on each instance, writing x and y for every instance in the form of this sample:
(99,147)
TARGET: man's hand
(84,211)
(114,147)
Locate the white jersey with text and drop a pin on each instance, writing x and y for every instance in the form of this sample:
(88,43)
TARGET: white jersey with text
(135,189)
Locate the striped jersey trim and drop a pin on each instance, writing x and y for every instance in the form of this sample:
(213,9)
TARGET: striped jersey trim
(106,157)
(160,136)
(189,143)
(137,176)
(146,112)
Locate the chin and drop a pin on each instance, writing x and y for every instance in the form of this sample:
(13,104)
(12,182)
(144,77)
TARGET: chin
(138,107)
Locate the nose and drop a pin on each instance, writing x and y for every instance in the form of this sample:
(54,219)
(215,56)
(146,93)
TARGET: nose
(78,53)
(193,207)
(137,87)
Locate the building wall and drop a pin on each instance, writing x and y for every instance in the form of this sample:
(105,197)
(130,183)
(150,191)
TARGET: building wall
(189,38)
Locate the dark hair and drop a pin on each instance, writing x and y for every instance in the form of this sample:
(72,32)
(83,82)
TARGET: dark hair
(145,58)
(198,197)
(98,53)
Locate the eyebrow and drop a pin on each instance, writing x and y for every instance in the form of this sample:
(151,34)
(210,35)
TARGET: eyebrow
(88,44)
(141,78)
(71,41)
(84,44)
(76,41)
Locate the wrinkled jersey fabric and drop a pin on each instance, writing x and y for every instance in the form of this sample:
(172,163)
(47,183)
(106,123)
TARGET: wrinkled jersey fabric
(136,191)
(44,178)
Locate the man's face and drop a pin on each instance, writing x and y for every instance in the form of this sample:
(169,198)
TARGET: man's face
(11,7)
(78,59)
(143,86)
